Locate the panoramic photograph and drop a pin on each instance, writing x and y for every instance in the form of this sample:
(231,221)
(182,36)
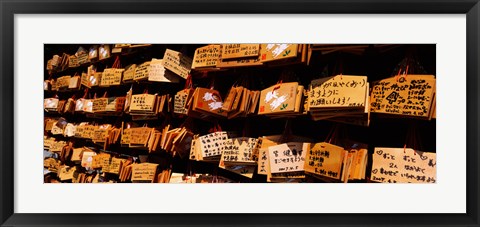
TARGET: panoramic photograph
(239,113)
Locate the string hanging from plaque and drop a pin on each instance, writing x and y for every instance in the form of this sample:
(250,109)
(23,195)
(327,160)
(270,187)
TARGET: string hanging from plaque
(112,76)
(70,105)
(181,143)
(81,101)
(287,132)
(180,107)
(75,82)
(355,157)
(144,104)
(408,92)
(240,100)
(325,160)
(286,159)
(99,104)
(409,64)
(411,138)
(404,165)
(283,99)
(340,98)
(215,127)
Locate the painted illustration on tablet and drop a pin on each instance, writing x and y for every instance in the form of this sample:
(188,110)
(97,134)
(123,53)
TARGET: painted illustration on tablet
(240,113)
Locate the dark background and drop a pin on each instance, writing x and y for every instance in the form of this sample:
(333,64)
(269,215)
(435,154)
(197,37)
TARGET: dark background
(376,63)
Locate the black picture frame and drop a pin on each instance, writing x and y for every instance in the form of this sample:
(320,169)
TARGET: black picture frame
(9,8)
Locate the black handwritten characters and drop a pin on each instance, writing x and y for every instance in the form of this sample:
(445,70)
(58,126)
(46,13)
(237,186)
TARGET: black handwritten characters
(63,82)
(263,159)
(247,148)
(239,151)
(138,137)
(114,166)
(72,61)
(100,134)
(98,160)
(48,142)
(213,144)
(231,152)
(144,172)
(239,55)
(342,98)
(403,165)
(178,63)
(83,79)
(115,104)
(129,73)
(272,51)
(125,137)
(143,103)
(240,50)
(325,159)
(206,56)
(408,95)
(79,130)
(108,106)
(158,73)
(111,76)
(338,91)
(180,101)
(142,71)
(55,146)
(193,148)
(287,157)
(237,156)
(99,104)
(82,56)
